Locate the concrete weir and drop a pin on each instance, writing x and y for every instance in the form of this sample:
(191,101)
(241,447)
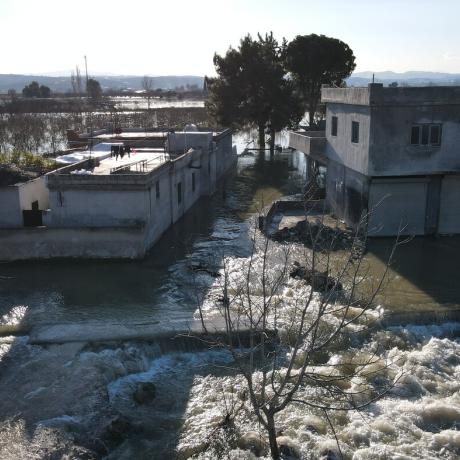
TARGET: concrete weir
(182,334)
(171,335)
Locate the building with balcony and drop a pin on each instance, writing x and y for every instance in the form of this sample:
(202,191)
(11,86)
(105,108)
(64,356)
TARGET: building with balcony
(393,153)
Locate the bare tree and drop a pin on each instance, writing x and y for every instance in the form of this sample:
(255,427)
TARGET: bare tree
(147,86)
(280,346)
(76,82)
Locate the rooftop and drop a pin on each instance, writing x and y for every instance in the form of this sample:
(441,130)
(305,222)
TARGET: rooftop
(141,160)
(377,95)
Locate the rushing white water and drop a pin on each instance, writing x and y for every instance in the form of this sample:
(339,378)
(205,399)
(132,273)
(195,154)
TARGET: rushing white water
(419,418)
(66,395)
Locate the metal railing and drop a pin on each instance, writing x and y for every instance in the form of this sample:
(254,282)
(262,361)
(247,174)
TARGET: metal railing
(140,166)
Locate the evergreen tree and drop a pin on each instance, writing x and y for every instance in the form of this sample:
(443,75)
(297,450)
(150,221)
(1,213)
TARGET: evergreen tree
(316,60)
(251,89)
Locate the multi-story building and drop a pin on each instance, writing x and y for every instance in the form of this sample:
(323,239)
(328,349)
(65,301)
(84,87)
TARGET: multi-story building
(393,153)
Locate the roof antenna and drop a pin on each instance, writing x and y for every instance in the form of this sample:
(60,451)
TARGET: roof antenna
(373,78)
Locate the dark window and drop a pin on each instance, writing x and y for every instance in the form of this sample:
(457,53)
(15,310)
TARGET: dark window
(435,134)
(354,132)
(179,193)
(334,126)
(157,189)
(34,205)
(425,134)
(415,135)
(193,182)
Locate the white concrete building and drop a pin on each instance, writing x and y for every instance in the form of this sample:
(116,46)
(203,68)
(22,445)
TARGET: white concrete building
(112,208)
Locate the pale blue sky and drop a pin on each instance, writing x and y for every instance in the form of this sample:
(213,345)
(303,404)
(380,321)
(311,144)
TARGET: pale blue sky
(180,37)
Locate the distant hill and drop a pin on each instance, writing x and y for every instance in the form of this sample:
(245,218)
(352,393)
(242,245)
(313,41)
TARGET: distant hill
(62,84)
(411,78)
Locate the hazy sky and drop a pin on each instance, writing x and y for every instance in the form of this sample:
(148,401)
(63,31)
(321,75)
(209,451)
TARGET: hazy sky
(180,37)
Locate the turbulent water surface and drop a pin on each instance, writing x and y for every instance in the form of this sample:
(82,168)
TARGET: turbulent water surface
(76,399)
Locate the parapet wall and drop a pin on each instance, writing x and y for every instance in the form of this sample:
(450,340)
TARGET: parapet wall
(377,94)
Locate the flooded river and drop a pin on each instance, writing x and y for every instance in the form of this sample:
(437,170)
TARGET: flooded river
(76,399)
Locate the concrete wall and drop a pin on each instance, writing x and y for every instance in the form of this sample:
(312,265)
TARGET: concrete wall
(312,143)
(160,211)
(16,198)
(449,213)
(46,243)
(340,148)
(34,190)
(357,96)
(377,94)
(183,141)
(346,193)
(102,208)
(10,207)
(391,152)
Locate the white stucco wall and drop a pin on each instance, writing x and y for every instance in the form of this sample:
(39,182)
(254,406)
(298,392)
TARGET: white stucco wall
(98,208)
(184,141)
(34,190)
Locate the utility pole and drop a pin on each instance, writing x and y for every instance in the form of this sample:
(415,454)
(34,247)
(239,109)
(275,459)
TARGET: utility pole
(90,115)
(86,69)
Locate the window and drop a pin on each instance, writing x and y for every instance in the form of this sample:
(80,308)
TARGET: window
(334,126)
(425,134)
(157,189)
(193,182)
(354,132)
(179,193)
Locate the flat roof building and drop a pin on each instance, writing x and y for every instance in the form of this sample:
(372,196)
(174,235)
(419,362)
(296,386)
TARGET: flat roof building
(393,153)
(112,206)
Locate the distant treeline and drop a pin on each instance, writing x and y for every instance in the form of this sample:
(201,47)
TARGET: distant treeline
(63,84)
(69,103)
(45,133)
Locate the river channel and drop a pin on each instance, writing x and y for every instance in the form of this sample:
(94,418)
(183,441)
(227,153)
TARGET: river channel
(82,388)
(158,286)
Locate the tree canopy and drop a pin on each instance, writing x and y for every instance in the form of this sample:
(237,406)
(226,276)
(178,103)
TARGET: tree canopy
(316,60)
(251,89)
(270,86)
(36,90)
(93,88)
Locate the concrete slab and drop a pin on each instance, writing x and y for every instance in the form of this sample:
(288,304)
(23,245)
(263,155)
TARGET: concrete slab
(102,331)
(153,159)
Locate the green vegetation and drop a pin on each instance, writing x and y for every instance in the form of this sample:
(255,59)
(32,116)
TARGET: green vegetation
(270,86)
(251,91)
(36,90)
(94,90)
(27,161)
(316,60)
